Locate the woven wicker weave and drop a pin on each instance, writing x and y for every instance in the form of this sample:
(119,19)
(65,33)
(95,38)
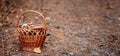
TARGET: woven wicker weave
(33,37)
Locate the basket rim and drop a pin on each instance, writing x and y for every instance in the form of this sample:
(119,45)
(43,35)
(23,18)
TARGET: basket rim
(32,11)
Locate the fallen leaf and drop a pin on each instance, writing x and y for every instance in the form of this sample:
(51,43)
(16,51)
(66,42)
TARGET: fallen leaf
(37,50)
(61,36)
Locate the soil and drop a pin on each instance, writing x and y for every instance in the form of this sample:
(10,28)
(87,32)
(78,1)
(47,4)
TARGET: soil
(74,27)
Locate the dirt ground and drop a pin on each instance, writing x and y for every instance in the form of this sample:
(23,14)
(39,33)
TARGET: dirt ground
(75,27)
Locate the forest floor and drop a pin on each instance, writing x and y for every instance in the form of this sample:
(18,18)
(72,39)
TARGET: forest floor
(75,27)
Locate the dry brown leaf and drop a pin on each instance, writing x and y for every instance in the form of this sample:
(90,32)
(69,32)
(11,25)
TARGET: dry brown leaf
(37,50)
(61,36)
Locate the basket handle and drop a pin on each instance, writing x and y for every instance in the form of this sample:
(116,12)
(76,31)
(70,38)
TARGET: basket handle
(27,11)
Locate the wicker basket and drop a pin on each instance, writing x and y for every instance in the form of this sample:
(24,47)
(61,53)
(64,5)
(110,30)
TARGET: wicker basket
(31,38)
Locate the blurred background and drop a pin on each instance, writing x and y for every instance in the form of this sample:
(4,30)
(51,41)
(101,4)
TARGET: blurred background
(74,27)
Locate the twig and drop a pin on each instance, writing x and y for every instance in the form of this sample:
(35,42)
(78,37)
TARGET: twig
(76,8)
(3,47)
(113,34)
